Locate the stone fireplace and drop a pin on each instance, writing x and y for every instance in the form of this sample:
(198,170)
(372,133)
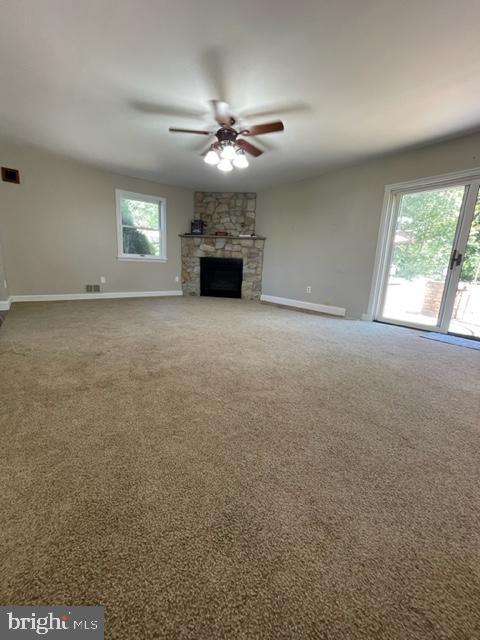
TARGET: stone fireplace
(234,214)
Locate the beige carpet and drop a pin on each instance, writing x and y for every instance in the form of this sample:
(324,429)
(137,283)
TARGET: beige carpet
(222,469)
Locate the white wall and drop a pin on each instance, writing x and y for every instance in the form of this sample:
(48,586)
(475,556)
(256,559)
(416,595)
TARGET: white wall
(3,278)
(323,232)
(58,227)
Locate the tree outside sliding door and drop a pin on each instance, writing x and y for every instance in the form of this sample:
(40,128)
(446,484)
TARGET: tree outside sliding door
(428,273)
(424,234)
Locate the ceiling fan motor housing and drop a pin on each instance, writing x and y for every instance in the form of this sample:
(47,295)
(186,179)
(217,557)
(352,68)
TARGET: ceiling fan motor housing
(226,135)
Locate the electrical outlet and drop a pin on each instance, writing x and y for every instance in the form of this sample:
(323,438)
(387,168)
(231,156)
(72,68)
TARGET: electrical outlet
(309,289)
(5,285)
(177,279)
(103,279)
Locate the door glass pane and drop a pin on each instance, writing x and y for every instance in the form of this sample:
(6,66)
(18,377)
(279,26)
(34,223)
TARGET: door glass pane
(466,310)
(422,246)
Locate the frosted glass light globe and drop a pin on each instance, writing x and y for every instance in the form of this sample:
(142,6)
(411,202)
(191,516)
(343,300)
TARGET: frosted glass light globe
(212,157)
(228,152)
(225,165)
(240,161)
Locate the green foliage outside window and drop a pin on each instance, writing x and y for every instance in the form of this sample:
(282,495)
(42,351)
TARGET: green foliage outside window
(136,213)
(134,241)
(471,261)
(425,231)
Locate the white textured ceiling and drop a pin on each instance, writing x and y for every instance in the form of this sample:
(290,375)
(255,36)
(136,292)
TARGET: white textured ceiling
(102,80)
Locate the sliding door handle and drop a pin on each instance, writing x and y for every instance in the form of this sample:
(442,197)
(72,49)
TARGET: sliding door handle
(456,259)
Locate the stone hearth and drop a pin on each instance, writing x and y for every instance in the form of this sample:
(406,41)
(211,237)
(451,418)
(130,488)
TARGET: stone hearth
(233,213)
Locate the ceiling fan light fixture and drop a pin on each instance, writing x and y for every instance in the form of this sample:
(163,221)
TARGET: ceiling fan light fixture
(240,160)
(228,152)
(212,157)
(225,165)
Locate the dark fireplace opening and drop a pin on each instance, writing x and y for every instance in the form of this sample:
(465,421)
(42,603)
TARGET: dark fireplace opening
(221,277)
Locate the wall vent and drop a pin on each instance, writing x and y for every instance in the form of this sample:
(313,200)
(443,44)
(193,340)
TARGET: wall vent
(92,288)
(10,175)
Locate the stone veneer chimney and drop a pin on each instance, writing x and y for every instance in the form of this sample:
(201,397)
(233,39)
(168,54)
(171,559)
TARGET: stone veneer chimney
(233,213)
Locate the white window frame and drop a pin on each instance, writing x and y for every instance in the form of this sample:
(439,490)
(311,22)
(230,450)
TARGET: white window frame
(388,221)
(162,209)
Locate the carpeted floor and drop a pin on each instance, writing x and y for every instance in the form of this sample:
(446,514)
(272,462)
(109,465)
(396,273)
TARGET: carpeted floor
(211,468)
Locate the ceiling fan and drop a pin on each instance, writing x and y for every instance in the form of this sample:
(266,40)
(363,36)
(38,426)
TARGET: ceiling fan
(228,150)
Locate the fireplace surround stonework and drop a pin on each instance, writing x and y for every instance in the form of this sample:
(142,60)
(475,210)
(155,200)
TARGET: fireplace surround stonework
(233,213)
(229,211)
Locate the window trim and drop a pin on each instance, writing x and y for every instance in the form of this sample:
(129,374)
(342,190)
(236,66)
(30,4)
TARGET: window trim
(162,206)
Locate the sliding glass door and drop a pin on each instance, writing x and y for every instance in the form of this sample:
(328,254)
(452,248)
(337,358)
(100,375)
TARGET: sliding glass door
(465,318)
(431,271)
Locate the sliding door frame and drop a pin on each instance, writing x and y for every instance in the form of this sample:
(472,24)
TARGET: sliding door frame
(463,232)
(392,197)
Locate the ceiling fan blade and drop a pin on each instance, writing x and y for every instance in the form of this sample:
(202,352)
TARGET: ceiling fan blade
(166,109)
(274,110)
(203,133)
(260,129)
(248,147)
(222,114)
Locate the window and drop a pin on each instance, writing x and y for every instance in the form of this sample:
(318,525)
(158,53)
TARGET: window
(141,227)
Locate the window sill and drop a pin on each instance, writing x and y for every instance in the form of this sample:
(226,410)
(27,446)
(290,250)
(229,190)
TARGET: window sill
(140,259)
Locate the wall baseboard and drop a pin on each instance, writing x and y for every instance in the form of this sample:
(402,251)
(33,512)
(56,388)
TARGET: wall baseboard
(367,317)
(4,305)
(300,304)
(52,297)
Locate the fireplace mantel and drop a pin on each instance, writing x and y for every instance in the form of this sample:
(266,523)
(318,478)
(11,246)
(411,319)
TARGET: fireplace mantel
(213,235)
